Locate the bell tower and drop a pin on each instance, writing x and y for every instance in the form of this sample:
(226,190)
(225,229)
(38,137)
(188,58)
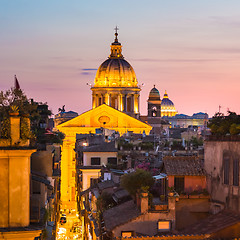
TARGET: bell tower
(154,104)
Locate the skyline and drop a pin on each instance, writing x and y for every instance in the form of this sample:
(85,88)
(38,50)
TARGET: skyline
(188,48)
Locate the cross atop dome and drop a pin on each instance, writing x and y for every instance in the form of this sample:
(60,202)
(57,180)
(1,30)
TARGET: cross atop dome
(116,33)
(116,48)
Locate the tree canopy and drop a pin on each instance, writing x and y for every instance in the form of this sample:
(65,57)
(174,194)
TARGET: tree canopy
(15,100)
(136,181)
(221,125)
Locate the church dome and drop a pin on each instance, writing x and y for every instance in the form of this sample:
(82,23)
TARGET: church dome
(154,94)
(166,101)
(167,106)
(115,71)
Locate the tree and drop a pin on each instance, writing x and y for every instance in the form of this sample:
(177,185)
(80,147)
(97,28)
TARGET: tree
(136,181)
(104,201)
(15,99)
(221,125)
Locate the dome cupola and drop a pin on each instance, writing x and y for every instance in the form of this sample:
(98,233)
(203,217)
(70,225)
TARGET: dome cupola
(115,83)
(154,94)
(167,106)
(115,71)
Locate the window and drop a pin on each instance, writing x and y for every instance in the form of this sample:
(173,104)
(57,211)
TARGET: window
(164,226)
(95,160)
(154,111)
(179,184)
(127,234)
(236,172)
(112,160)
(226,163)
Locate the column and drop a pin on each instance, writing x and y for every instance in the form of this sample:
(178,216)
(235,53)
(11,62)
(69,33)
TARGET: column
(121,102)
(110,100)
(125,103)
(106,96)
(119,107)
(93,100)
(136,109)
(132,103)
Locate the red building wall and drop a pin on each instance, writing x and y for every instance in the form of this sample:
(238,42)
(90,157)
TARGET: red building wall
(191,183)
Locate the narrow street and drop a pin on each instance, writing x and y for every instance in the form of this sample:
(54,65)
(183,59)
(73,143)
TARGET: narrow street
(71,229)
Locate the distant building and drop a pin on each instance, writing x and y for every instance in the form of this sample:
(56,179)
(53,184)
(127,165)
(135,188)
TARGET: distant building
(64,117)
(184,121)
(167,107)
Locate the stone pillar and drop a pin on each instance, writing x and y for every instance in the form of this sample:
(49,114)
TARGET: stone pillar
(15,129)
(94,101)
(144,202)
(107,98)
(132,103)
(125,102)
(119,102)
(15,187)
(110,100)
(136,109)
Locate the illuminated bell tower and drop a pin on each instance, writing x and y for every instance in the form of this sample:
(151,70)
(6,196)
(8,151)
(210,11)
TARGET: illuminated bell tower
(116,84)
(154,104)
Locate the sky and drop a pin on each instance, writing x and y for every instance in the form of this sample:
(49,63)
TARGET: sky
(189,48)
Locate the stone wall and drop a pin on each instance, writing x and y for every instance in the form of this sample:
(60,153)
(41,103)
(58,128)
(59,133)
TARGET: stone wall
(221,193)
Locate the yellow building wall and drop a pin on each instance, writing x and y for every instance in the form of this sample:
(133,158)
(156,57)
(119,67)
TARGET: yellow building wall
(87,174)
(84,124)
(15,187)
(103,155)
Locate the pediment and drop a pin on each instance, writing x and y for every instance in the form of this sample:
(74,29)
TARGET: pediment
(107,117)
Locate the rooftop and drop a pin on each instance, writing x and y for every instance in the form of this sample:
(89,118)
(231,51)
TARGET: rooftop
(214,223)
(104,147)
(120,214)
(183,165)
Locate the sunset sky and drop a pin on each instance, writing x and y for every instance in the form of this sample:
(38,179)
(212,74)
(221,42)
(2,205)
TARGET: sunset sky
(189,48)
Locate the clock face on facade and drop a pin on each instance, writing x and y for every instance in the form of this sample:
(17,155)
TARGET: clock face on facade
(104,119)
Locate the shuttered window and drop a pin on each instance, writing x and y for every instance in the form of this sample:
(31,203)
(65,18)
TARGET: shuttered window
(226,163)
(179,184)
(95,161)
(236,172)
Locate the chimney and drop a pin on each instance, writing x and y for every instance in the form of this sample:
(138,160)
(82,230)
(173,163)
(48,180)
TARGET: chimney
(144,202)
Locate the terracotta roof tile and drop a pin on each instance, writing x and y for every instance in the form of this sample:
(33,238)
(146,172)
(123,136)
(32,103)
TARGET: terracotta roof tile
(120,214)
(183,166)
(214,223)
